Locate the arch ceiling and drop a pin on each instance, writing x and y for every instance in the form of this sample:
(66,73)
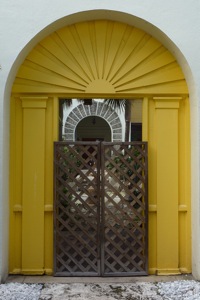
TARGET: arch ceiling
(100,57)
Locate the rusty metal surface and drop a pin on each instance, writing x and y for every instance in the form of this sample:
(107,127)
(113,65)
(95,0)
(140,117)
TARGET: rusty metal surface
(100,209)
(124,209)
(77,209)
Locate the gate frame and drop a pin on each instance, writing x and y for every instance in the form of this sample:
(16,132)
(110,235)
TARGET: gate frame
(100,208)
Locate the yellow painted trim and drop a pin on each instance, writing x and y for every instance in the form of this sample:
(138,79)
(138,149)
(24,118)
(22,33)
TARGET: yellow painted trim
(15,272)
(145,119)
(184,187)
(51,118)
(167,102)
(51,136)
(110,58)
(168,271)
(31,102)
(17,208)
(33,185)
(167,98)
(48,207)
(32,271)
(110,62)
(185,270)
(15,239)
(55,116)
(152,208)
(182,208)
(152,271)
(48,272)
(167,176)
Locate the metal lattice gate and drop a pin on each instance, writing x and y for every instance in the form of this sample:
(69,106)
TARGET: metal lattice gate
(100,213)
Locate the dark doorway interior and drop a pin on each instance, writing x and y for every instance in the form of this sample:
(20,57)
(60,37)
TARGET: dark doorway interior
(93,128)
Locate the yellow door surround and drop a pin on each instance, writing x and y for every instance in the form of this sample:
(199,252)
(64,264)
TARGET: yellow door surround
(100,59)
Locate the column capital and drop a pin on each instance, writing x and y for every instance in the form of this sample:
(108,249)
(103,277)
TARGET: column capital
(34,102)
(167,102)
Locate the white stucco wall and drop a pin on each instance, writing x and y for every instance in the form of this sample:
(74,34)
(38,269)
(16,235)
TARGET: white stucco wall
(24,22)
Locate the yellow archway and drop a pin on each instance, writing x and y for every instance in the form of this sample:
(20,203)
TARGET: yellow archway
(100,56)
(99,59)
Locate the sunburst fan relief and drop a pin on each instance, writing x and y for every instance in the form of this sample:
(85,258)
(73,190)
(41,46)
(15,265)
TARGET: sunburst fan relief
(100,57)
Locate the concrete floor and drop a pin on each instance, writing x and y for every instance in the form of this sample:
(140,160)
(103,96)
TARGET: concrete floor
(95,280)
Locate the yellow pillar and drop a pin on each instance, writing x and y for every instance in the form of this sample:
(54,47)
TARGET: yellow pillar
(148,134)
(51,136)
(33,168)
(15,186)
(167,185)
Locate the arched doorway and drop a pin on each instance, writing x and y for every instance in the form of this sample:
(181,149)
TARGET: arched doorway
(102,59)
(109,124)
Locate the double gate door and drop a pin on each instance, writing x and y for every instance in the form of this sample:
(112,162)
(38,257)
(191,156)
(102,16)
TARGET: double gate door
(100,209)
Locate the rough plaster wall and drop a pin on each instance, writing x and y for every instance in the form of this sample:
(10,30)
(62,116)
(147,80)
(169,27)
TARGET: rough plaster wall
(22,25)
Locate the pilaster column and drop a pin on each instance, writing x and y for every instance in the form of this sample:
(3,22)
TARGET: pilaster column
(33,170)
(167,184)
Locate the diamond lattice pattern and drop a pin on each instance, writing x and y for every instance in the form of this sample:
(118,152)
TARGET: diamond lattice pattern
(100,208)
